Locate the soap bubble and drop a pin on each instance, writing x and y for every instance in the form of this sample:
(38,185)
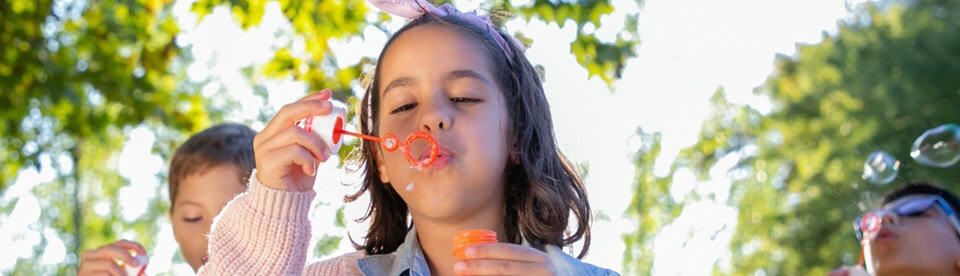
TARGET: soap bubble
(880,168)
(938,147)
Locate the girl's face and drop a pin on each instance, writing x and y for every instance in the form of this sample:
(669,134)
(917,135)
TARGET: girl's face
(434,79)
(921,243)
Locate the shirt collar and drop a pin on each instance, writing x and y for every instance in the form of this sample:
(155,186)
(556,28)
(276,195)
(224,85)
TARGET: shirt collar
(408,259)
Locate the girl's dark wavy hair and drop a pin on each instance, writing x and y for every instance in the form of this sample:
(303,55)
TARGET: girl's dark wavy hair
(541,188)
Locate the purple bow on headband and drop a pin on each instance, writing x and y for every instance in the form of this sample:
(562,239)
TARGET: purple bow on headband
(412,9)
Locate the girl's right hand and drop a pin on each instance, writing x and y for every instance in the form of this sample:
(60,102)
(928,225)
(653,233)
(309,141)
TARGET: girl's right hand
(287,156)
(101,261)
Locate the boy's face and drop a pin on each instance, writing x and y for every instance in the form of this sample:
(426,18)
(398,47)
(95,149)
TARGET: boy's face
(926,243)
(200,198)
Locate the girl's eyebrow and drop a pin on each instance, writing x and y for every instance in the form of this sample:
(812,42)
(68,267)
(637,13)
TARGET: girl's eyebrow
(465,73)
(402,81)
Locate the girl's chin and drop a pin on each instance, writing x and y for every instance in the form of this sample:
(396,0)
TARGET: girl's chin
(443,210)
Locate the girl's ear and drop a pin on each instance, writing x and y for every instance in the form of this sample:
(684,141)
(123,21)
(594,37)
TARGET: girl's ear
(381,166)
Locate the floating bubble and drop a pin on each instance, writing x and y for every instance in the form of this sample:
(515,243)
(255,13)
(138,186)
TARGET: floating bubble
(880,168)
(410,187)
(938,147)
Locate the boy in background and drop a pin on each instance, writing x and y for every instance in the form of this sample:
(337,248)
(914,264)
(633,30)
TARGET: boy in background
(206,172)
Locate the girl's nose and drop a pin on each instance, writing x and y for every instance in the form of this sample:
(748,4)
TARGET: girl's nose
(436,116)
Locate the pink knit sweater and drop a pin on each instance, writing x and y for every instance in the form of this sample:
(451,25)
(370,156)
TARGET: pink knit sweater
(265,231)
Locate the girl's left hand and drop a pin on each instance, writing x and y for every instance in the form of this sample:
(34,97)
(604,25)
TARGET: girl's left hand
(504,259)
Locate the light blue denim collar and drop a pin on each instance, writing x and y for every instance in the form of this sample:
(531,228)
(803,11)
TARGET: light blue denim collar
(408,259)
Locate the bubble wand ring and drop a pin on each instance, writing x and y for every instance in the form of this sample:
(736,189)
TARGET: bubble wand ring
(871,225)
(434,149)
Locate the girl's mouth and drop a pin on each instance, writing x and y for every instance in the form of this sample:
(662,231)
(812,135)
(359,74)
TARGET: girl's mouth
(444,157)
(885,234)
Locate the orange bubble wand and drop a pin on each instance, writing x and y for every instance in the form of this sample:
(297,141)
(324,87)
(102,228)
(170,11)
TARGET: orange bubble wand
(390,143)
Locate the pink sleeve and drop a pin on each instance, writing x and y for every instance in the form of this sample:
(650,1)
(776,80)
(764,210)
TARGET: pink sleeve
(263,231)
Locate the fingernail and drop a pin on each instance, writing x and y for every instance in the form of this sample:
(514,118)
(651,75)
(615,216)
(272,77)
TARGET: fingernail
(460,266)
(320,94)
(470,252)
(326,154)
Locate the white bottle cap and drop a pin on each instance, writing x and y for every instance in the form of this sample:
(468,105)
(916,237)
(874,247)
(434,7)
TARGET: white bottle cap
(323,125)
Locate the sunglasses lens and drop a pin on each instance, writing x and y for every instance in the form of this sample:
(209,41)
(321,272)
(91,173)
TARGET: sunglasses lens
(915,207)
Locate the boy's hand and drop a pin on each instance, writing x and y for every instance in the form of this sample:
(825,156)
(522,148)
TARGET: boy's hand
(504,259)
(287,156)
(101,261)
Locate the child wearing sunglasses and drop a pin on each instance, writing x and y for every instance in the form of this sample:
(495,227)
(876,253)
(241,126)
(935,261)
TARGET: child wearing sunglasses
(916,231)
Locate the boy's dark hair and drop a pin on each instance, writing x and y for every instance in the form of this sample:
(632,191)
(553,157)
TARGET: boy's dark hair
(221,144)
(923,188)
(542,188)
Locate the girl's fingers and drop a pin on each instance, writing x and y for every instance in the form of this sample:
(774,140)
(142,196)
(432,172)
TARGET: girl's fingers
(132,245)
(290,113)
(505,251)
(501,267)
(100,267)
(280,160)
(295,135)
(322,95)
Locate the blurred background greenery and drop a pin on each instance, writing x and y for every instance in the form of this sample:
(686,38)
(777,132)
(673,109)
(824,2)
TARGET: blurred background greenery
(77,77)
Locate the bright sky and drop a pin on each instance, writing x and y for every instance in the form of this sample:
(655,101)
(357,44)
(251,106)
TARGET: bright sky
(689,49)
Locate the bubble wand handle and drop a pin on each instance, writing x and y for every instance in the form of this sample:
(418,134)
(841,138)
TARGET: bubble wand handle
(358,135)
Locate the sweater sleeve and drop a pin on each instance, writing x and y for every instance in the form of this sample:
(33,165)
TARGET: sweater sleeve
(263,231)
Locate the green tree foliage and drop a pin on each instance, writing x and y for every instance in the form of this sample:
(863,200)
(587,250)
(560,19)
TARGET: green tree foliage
(652,207)
(881,81)
(77,76)
(72,78)
(603,59)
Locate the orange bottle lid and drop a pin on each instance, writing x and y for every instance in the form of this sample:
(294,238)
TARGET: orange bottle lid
(470,237)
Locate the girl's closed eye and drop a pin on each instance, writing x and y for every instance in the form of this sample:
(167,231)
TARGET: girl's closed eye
(465,100)
(192,219)
(403,108)
(458,100)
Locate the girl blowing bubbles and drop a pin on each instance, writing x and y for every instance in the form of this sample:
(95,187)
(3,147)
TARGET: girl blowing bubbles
(471,87)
